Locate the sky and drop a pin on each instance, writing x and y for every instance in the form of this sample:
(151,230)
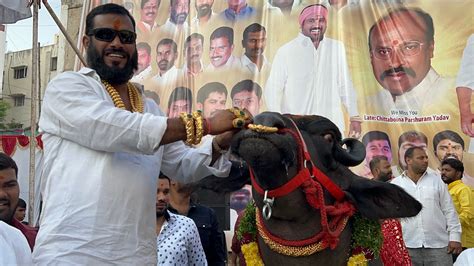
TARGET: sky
(20,35)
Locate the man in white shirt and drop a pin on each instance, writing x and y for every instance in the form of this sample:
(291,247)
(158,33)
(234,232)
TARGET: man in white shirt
(401,46)
(104,147)
(178,240)
(176,24)
(144,59)
(205,16)
(148,13)
(310,75)
(193,48)
(254,41)
(168,74)
(435,233)
(220,50)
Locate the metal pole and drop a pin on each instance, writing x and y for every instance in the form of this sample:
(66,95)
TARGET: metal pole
(63,30)
(34,97)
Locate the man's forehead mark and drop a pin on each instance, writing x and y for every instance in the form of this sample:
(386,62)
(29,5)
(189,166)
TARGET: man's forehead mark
(395,42)
(117,23)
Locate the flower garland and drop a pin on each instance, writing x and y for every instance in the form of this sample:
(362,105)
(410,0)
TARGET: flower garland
(367,239)
(135,97)
(247,235)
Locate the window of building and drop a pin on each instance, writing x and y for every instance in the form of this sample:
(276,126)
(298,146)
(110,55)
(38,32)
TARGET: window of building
(20,72)
(18,100)
(54,63)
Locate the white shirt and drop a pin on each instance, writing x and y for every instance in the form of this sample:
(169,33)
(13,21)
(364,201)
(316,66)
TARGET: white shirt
(179,243)
(432,89)
(466,258)
(100,174)
(307,81)
(437,223)
(14,249)
(196,23)
(465,76)
(169,77)
(140,77)
(232,63)
(250,67)
(175,30)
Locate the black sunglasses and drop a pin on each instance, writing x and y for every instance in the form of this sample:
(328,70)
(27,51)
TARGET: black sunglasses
(108,35)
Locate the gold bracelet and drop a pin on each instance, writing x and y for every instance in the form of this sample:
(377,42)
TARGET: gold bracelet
(188,122)
(198,125)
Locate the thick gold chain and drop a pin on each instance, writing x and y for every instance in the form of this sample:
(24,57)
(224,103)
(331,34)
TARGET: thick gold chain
(135,97)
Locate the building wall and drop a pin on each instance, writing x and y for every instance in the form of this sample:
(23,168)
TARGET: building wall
(14,87)
(70,16)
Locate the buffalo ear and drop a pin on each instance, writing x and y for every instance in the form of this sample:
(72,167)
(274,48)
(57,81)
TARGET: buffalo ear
(381,200)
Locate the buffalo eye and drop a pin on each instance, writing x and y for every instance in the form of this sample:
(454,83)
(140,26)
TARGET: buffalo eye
(328,138)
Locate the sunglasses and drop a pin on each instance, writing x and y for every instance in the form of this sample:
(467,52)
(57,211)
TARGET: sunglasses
(108,35)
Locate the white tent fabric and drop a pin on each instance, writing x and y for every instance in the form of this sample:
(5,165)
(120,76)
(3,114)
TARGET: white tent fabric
(13,10)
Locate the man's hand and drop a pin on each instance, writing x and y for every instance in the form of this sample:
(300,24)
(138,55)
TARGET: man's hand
(355,129)
(454,247)
(467,119)
(221,121)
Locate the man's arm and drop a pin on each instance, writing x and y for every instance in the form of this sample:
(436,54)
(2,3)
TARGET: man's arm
(452,220)
(467,117)
(348,94)
(466,212)
(275,85)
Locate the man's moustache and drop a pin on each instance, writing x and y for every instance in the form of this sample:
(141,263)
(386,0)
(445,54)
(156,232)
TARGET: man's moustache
(163,62)
(391,71)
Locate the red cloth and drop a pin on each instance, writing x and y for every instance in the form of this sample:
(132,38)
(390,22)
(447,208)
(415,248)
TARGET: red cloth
(394,251)
(236,245)
(28,231)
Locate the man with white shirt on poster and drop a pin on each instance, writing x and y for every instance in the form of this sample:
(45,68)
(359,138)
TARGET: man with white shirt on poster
(310,75)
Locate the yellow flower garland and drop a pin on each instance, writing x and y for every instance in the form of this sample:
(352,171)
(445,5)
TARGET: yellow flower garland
(357,260)
(251,254)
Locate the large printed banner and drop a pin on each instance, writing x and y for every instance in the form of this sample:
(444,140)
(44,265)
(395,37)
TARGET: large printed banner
(397,66)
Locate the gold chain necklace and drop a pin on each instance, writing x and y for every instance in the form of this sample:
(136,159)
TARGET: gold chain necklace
(135,97)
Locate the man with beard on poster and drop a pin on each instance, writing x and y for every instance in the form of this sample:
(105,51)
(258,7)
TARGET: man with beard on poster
(177,23)
(401,46)
(104,147)
(310,75)
(166,55)
(205,16)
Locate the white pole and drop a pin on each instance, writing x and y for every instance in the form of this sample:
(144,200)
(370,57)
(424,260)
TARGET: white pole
(3,44)
(34,99)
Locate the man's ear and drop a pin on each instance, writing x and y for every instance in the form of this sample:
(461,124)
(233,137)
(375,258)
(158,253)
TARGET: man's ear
(431,48)
(86,41)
